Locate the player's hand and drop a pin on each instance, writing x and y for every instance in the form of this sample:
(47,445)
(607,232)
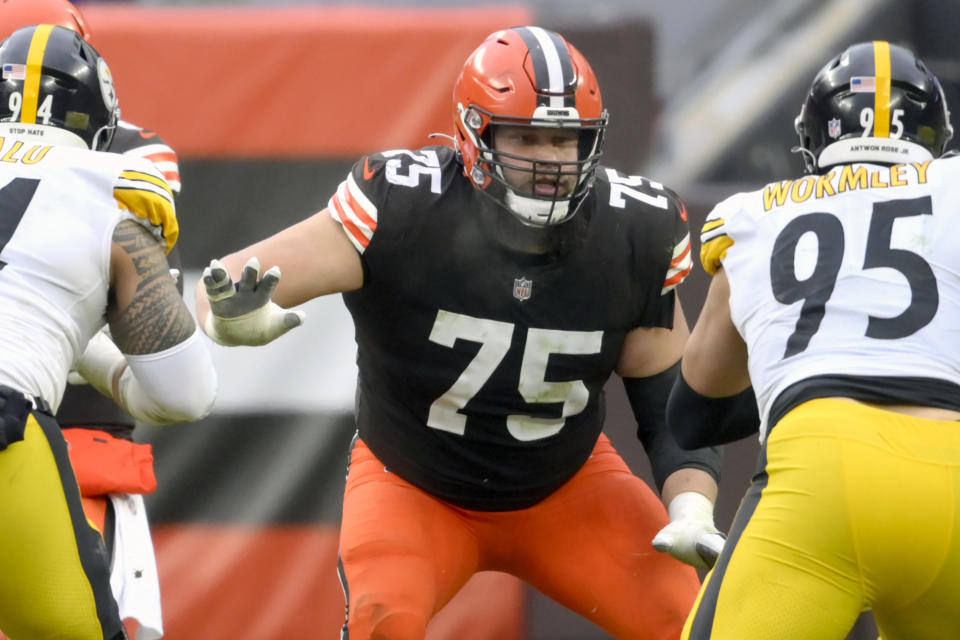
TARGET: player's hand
(691,536)
(244,313)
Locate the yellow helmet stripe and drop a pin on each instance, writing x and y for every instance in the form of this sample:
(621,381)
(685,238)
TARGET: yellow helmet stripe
(31,85)
(881,111)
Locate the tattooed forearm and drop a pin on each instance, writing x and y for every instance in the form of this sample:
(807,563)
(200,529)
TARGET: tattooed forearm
(154,318)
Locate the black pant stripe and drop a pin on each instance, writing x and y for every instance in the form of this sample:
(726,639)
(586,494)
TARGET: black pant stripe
(703,618)
(93,552)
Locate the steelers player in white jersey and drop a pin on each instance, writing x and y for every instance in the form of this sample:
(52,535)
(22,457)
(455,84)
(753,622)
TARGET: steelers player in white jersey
(837,297)
(99,433)
(83,241)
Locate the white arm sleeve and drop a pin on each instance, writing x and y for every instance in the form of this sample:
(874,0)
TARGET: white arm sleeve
(175,385)
(178,384)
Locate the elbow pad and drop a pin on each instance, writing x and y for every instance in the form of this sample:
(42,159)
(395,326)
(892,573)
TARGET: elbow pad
(697,420)
(178,384)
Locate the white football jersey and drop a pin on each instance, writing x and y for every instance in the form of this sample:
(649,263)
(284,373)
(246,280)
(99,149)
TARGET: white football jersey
(856,272)
(59,206)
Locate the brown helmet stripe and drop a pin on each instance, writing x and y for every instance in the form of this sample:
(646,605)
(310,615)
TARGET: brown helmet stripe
(552,67)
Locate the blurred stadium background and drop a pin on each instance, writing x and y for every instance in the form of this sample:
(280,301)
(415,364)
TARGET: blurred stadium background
(269,104)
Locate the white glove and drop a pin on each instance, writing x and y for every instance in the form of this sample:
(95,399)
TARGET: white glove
(691,536)
(245,314)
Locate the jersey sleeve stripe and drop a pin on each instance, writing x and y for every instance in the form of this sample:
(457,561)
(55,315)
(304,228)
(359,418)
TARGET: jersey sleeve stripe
(681,253)
(676,279)
(148,149)
(126,185)
(350,208)
(170,172)
(706,238)
(355,212)
(354,233)
(173,179)
(358,213)
(163,166)
(680,265)
(366,211)
(140,180)
(161,156)
(710,225)
(359,236)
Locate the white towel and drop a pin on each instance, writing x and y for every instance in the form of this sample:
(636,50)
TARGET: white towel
(133,577)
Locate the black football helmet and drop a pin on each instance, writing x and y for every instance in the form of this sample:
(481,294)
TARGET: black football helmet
(875,102)
(55,86)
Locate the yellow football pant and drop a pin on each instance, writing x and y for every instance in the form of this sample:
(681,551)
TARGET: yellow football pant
(55,579)
(854,508)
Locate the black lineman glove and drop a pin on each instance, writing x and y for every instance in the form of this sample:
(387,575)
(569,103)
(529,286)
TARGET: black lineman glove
(244,313)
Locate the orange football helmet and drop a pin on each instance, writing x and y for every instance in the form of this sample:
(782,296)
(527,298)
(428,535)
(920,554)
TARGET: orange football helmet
(527,76)
(21,13)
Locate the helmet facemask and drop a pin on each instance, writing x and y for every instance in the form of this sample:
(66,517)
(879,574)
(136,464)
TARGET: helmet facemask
(529,78)
(572,178)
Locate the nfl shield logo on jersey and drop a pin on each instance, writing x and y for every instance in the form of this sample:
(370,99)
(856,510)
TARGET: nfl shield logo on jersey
(522,288)
(833,128)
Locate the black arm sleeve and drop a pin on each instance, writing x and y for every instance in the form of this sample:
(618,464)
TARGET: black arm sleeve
(648,399)
(699,421)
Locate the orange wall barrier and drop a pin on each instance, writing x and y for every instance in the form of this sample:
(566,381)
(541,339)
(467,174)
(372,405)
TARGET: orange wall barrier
(290,82)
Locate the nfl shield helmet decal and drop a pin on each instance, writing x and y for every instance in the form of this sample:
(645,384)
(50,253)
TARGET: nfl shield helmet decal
(833,128)
(522,288)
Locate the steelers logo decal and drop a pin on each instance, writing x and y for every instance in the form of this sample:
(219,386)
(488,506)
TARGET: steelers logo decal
(106,84)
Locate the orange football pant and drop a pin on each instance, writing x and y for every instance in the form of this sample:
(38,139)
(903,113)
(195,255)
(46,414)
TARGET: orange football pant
(404,553)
